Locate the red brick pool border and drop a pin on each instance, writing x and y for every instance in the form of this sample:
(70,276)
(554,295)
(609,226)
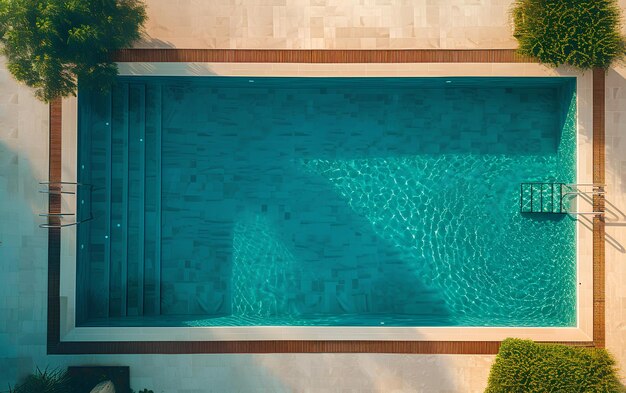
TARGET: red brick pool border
(598,97)
(56,346)
(320,56)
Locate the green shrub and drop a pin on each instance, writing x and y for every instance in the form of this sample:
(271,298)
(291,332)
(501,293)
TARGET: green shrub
(56,381)
(49,44)
(581,33)
(524,366)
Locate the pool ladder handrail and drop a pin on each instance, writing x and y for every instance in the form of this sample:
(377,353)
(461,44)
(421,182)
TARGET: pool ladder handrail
(598,189)
(56,188)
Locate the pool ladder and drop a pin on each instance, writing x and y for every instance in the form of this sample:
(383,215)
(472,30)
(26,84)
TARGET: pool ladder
(554,197)
(58,189)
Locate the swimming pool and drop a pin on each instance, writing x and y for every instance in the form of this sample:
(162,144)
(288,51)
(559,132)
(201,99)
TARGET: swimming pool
(225,201)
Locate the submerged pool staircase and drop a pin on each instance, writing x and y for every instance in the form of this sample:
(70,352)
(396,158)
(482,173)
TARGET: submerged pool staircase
(557,198)
(119,258)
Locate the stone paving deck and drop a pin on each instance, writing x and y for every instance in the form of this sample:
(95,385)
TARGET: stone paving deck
(277,24)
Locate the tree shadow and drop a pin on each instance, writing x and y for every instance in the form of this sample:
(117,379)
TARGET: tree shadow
(148,42)
(22,263)
(149,70)
(615,85)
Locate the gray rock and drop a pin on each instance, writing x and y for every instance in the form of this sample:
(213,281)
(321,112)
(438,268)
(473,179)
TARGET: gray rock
(104,387)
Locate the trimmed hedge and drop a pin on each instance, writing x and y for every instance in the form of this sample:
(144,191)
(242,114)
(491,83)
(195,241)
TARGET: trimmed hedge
(525,366)
(581,33)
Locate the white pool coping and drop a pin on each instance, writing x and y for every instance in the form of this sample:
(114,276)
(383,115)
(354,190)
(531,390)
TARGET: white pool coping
(583,332)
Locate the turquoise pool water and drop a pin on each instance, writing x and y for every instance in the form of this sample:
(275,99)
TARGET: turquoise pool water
(325,201)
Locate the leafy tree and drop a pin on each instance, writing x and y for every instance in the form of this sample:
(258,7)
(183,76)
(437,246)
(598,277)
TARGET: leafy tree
(582,33)
(51,44)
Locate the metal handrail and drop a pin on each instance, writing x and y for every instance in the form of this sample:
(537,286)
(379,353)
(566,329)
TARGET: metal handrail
(56,192)
(585,184)
(59,191)
(578,192)
(64,225)
(598,189)
(63,182)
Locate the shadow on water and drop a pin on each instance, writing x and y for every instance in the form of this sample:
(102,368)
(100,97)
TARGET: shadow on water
(495,124)
(543,217)
(341,269)
(566,93)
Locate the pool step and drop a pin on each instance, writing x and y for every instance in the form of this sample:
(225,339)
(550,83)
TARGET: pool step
(136,199)
(152,200)
(542,198)
(119,200)
(95,158)
(123,260)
